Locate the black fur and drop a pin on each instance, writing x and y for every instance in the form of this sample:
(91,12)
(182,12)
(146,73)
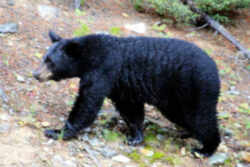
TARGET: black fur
(175,76)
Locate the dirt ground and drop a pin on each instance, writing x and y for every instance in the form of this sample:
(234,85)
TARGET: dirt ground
(28,107)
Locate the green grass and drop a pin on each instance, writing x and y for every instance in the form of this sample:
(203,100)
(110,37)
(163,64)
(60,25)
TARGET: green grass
(82,30)
(115,31)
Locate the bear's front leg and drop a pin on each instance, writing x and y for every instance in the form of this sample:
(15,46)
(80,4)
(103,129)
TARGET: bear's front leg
(133,115)
(84,112)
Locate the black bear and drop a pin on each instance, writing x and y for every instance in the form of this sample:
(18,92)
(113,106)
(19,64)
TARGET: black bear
(173,75)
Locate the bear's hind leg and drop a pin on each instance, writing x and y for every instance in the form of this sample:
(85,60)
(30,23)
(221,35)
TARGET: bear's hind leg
(205,129)
(133,115)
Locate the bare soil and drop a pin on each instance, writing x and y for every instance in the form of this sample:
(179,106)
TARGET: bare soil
(32,107)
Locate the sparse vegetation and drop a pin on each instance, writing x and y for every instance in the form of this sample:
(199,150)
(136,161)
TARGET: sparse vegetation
(82,30)
(115,31)
(110,135)
(220,10)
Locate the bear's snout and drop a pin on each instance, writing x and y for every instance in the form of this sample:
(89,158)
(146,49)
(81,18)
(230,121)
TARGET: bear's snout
(42,73)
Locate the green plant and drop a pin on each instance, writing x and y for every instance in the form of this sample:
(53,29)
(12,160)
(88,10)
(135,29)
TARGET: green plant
(157,156)
(244,107)
(160,28)
(82,2)
(82,30)
(138,4)
(79,12)
(110,135)
(135,156)
(172,160)
(220,10)
(115,31)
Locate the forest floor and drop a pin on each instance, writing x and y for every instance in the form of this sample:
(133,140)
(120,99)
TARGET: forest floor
(28,107)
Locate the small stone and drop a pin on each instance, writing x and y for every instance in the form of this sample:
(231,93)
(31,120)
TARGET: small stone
(94,142)
(11,2)
(228,132)
(146,152)
(138,28)
(4,128)
(121,158)
(217,158)
(8,28)
(183,151)
(45,124)
(102,32)
(234,92)
(107,152)
(237,125)
(3,95)
(223,148)
(58,161)
(48,12)
(85,137)
(241,165)
(4,117)
(62,119)
(20,78)
(160,137)
(245,156)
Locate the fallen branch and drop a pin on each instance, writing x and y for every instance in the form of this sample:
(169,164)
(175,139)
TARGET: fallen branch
(218,27)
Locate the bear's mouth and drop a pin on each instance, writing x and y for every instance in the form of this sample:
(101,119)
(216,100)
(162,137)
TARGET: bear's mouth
(42,73)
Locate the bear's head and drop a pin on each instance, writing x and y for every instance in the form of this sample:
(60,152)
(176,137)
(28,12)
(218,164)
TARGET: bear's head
(61,60)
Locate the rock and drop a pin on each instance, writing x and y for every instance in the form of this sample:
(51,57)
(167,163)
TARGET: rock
(107,152)
(58,161)
(233,91)
(121,158)
(48,12)
(3,95)
(45,124)
(242,165)
(138,28)
(223,147)
(4,117)
(4,128)
(20,78)
(8,28)
(11,2)
(228,132)
(217,158)
(95,142)
(160,137)
(102,32)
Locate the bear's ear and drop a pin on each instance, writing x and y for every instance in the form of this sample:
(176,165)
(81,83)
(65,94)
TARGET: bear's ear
(54,37)
(72,48)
